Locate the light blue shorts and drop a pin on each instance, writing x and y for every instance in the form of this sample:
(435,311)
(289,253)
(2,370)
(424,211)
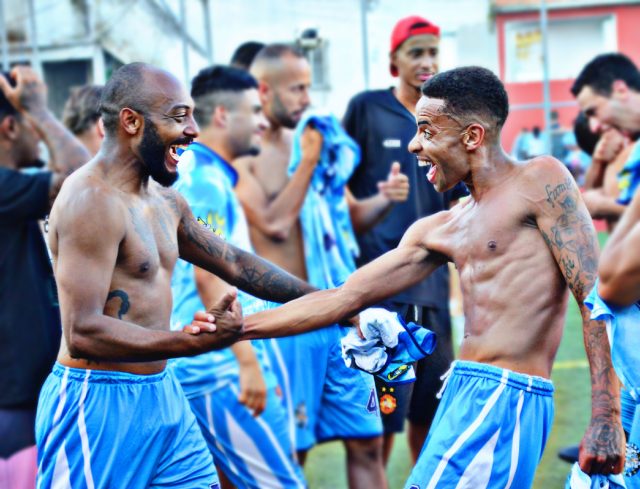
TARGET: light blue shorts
(327,399)
(254,452)
(489,431)
(100,429)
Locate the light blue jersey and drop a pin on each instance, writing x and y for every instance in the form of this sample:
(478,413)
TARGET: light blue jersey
(254,452)
(206,182)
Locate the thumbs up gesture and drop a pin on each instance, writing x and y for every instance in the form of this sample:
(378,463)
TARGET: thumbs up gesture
(396,187)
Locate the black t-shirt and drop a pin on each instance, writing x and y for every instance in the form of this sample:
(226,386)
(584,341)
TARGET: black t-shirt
(29,314)
(383,128)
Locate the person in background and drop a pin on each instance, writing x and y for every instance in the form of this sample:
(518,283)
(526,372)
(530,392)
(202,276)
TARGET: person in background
(81,115)
(29,313)
(382,122)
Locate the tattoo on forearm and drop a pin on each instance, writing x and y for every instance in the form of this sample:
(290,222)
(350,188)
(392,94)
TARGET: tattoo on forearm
(252,274)
(124,301)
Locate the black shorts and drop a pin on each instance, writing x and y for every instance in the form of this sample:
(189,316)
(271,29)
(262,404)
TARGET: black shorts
(417,401)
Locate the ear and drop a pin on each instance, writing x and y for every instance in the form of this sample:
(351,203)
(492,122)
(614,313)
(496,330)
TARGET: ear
(219,116)
(620,88)
(263,90)
(9,127)
(392,59)
(100,128)
(130,121)
(473,137)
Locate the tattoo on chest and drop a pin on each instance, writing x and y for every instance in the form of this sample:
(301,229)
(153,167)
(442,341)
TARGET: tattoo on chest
(123,297)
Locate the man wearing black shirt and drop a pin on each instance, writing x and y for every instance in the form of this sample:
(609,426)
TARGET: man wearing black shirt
(29,315)
(383,124)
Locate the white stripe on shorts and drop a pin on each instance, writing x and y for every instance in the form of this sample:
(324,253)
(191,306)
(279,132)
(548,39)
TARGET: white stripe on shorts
(84,439)
(468,432)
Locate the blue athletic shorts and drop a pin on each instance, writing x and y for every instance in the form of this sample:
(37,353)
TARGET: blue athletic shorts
(489,430)
(327,399)
(254,452)
(100,429)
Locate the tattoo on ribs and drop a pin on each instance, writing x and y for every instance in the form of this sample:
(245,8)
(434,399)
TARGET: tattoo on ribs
(124,301)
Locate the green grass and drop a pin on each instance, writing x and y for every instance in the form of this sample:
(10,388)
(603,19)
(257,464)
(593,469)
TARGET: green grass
(326,469)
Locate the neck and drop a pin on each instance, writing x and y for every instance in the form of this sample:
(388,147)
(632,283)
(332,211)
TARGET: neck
(7,160)
(122,167)
(217,142)
(407,95)
(489,167)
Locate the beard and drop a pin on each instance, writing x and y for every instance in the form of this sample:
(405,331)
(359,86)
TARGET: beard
(152,152)
(282,116)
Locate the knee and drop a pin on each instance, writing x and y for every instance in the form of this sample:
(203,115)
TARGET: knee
(367,450)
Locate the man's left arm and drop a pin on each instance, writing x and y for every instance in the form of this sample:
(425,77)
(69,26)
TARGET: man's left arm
(568,230)
(366,213)
(200,246)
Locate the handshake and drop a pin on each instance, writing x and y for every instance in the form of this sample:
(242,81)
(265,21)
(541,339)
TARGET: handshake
(218,327)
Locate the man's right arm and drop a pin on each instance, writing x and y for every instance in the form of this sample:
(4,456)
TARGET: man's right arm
(276,217)
(89,233)
(66,153)
(380,279)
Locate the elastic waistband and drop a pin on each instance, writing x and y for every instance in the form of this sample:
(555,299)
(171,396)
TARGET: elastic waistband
(529,383)
(105,376)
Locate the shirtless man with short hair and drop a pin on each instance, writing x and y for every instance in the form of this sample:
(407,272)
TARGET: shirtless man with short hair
(519,243)
(110,414)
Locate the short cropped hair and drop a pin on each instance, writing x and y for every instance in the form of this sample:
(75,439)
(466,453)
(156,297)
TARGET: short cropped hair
(214,86)
(244,54)
(469,91)
(586,139)
(6,108)
(124,89)
(82,109)
(603,70)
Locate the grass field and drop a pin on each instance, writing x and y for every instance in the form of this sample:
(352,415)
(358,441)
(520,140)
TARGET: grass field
(325,468)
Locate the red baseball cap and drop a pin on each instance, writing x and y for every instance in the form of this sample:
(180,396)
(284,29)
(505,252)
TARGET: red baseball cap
(413,25)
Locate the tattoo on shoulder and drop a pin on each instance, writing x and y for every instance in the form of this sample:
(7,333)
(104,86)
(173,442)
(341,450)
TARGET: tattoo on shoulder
(555,192)
(123,297)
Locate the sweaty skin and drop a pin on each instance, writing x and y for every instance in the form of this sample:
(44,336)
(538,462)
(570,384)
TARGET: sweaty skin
(522,240)
(115,237)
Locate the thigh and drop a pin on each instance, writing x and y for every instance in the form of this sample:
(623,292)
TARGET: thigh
(254,452)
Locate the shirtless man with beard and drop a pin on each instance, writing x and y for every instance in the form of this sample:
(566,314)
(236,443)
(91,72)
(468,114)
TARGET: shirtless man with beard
(110,414)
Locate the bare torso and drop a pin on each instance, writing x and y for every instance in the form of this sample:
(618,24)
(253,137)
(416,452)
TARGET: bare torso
(270,170)
(140,290)
(514,295)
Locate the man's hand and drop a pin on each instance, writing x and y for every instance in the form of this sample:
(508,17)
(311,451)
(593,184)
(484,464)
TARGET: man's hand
(311,145)
(609,145)
(602,450)
(253,390)
(29,94)
(203,322)
(396,187)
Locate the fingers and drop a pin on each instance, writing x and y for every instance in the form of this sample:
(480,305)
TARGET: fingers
(204,316)
(226,300)
(254,400)
(395,168)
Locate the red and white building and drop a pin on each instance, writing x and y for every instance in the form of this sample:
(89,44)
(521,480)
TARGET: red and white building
(577,30)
